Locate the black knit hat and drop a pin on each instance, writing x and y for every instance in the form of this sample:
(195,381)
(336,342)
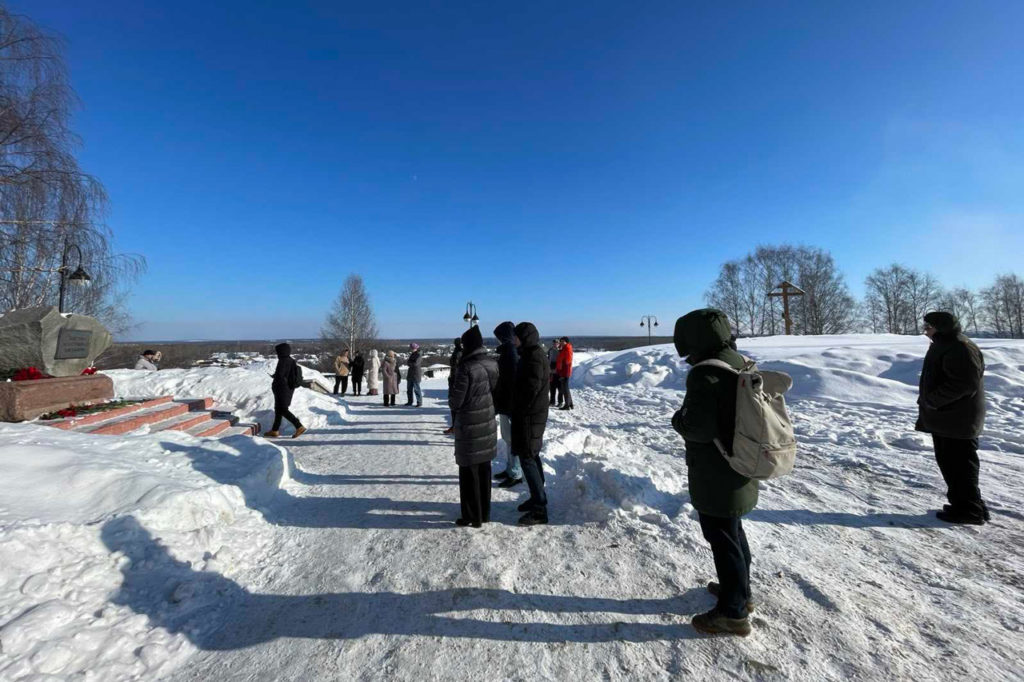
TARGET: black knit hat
(472,340)
(944,323)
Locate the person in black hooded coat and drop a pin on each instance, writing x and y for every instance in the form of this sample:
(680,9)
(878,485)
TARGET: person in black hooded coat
(508,360)
(453,363)
(471,399)
(951,407)
(283,387)
(530,403)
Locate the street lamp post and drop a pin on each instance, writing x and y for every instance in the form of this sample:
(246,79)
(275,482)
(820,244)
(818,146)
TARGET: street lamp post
(470,317)
(79,276)
(651,321)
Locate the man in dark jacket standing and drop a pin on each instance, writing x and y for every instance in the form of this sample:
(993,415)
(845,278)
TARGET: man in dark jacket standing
(358,367)
(413,378)
(472,403)
(453,363)
(283,386)
(951,407)
(508,360)
(720,495)
(529,419)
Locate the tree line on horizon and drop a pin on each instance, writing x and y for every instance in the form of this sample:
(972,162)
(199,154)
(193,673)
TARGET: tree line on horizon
(896,297)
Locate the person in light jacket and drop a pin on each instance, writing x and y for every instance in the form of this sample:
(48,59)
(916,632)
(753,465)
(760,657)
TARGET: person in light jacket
(390,371)
(146,361)
(341,372)
(373,374)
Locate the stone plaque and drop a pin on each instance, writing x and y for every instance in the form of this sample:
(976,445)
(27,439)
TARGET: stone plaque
(73,344)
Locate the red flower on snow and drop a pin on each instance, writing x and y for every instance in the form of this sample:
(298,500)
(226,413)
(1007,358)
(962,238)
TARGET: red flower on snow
(88,371)
(28,374)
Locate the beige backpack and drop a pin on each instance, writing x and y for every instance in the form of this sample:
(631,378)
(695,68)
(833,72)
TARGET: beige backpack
(764,445)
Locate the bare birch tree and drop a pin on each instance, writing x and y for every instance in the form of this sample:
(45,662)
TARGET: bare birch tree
(351,321)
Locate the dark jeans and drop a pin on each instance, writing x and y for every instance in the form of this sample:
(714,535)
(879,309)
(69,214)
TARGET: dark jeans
(563,385)
(533,472)
(732,562)
(344,384)
(958,462)
(475,492)
(281,410)
(554,391)
(412,387)
(357,385)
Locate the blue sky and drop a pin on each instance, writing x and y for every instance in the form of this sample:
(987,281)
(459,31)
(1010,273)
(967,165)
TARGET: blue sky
(575,164)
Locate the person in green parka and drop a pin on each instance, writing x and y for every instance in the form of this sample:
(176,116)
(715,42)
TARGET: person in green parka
(720,495)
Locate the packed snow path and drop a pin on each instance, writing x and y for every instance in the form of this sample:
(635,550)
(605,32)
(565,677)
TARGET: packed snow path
(370,579)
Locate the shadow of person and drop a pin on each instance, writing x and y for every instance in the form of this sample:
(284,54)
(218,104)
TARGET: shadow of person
(215,613)
(803,517)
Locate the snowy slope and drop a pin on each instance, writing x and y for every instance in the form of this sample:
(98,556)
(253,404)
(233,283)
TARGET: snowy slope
(162,555)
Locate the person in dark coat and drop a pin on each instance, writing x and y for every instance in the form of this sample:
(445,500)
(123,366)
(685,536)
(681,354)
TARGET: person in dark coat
(453,363)
(720,495)
(471,400)
(414,376)
(283,387)
(951,407)
(358,368)
(508,359)
(530,403)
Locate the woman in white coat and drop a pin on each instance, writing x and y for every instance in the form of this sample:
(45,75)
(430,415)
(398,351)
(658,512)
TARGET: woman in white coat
(372,370)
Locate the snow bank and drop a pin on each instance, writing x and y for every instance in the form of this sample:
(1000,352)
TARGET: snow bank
(63,495)
(243,390)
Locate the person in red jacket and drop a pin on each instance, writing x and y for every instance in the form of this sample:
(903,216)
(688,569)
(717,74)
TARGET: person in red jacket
(563,367)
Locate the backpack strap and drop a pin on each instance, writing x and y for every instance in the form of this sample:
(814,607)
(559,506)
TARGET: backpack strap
(715,362)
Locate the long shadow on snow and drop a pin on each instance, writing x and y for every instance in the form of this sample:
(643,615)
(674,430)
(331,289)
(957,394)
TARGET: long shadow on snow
(802,517)
(284,509)
(218,614)
(343,443)
(369,479)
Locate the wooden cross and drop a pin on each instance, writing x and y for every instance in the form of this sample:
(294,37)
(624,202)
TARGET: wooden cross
(787,291)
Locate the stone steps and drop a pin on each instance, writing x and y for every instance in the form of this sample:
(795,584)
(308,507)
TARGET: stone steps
(196,417)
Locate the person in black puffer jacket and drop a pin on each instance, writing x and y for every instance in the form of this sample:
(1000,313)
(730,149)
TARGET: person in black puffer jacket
(283,389)
(530,402)
(508,359)
(951,407)
(453,363)
(471,400)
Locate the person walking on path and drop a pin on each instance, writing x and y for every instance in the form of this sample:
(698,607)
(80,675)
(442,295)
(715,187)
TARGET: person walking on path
(341,372)
(453,363)
(951,407)
(563,365)
(529,419)
(414,376)
(508,359)
(472,403)
(390,372)
(554,386)
(358,367)
(373,374)
(720,495)
(287,377)
(147,361)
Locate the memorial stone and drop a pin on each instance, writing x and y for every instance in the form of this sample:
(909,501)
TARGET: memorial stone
(56,344)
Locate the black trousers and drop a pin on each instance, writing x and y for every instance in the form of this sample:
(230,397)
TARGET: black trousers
(554,391)
(563,385)
(732,562)
(958,461)
(281,411)
(344,384)
(533,472)
(389,399)
(475,492)
(357,385)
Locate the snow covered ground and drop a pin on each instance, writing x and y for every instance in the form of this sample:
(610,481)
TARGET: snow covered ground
(333,556)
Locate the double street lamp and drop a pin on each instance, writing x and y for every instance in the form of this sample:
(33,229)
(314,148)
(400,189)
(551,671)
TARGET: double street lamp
(470,317)
(79,277)
(649,321)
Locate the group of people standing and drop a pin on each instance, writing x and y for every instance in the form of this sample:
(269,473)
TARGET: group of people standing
(514,388)
(386,372)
